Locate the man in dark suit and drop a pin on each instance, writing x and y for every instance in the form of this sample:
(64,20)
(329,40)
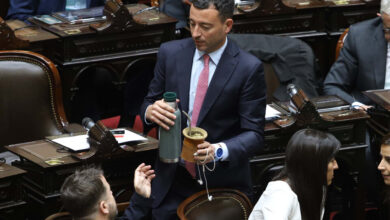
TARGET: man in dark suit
(23,9)
(362,63)
(232,111)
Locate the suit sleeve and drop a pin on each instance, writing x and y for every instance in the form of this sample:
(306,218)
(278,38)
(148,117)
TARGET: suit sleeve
(251,109)
(342,75)
(22,9)
(157,85)
(138,208)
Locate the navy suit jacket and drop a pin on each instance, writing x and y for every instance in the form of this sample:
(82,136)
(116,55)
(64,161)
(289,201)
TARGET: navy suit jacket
(23,9)
(232,112)
(361,64)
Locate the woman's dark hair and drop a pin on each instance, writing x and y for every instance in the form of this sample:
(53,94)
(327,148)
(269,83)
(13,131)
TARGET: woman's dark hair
(307,156)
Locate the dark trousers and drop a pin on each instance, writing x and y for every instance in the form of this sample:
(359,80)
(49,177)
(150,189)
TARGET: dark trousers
(183,186)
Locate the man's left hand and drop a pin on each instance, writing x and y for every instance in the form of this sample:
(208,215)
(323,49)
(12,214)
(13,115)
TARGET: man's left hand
(143,176)
(205,153)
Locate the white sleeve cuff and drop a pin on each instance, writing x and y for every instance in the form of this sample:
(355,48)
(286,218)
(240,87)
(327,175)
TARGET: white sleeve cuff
(356,104)
(225,153)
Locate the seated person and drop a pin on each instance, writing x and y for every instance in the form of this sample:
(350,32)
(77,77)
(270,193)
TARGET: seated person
(23,9)
(86,194)
(299,191)
(363,63)
(384,168)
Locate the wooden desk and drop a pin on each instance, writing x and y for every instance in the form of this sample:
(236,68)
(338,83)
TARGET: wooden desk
(43,181)
(12,204)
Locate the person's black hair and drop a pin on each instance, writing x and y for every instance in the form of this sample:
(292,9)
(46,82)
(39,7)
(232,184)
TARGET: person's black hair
(308,154)
(386,140)
(82,191)
(225,8)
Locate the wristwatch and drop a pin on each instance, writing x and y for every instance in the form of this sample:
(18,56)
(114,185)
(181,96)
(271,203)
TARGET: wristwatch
(218,152)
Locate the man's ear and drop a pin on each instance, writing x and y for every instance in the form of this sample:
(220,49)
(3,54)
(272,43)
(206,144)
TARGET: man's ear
(103,207)
(229,25)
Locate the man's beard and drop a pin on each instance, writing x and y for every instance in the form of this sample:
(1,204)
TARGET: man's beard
(113,212)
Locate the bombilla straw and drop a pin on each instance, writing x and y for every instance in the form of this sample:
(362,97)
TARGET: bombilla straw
(189,122)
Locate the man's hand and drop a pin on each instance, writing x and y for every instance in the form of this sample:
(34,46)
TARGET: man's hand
(143,176)
(205,153)
(365,107)
(161,113)
(360,106)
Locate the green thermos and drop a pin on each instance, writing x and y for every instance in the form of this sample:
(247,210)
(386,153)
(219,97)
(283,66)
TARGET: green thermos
(170,141)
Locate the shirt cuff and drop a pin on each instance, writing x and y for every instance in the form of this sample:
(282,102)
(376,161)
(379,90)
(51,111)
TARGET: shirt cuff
(356,105)
(225,152)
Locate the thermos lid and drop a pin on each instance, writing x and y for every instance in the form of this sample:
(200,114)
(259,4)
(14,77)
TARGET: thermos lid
(170,96)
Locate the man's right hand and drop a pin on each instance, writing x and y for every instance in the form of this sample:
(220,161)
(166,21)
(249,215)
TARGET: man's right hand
(360,106)
(161,113)
(365,107)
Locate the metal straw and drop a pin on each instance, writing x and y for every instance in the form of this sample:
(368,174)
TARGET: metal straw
(189,122)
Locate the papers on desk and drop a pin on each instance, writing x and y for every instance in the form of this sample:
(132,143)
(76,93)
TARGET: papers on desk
(128,137)
(271,113)
(80,142)
(75,143)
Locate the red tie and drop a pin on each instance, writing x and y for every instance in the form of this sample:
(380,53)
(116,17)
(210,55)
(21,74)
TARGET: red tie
(201,89)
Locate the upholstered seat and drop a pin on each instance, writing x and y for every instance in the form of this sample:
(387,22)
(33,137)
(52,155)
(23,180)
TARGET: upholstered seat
(30,98)
(226,204)
(340,43)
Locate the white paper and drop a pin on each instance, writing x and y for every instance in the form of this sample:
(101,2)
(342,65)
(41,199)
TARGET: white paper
(271,112)
(80,142)
(75,143)
(128,137)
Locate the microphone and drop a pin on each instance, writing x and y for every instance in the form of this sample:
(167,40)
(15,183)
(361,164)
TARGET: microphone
(292,90)
(87,123)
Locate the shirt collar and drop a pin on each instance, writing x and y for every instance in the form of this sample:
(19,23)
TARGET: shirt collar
(215,56)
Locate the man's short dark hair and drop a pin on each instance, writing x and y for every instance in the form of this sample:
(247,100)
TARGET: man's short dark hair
(82,191)
(386,140)
(224,7)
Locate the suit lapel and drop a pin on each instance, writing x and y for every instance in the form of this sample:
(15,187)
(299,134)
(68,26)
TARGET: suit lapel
(380,67)
(222,74)
(183,68)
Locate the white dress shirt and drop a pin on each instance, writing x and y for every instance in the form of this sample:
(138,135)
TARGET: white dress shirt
(278,202)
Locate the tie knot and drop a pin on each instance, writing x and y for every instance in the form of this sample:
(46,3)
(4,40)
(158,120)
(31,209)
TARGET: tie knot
(206,59)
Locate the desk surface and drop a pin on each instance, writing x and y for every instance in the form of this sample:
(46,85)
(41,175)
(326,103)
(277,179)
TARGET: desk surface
(46,154)
(141,21)
(8,171)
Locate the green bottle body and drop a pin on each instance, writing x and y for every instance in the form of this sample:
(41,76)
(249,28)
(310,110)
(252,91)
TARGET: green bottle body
(170,140)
